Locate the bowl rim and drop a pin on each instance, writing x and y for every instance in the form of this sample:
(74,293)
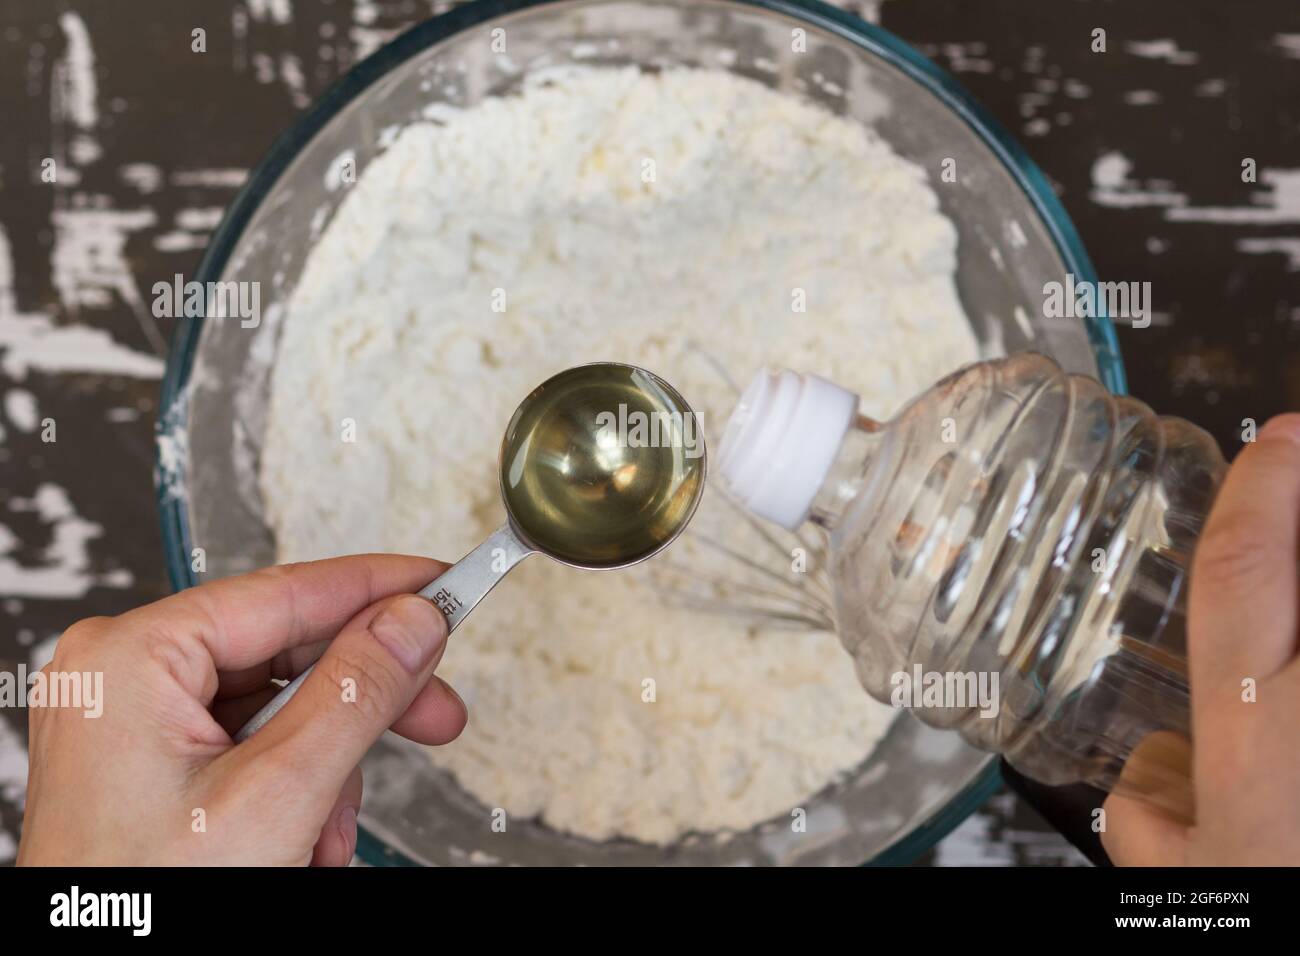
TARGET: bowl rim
(415,40)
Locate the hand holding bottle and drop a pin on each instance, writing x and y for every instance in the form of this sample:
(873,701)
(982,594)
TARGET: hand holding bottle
(1245,677)
(1019,522)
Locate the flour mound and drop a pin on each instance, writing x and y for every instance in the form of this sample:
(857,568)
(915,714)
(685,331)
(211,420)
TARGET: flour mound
(679,221)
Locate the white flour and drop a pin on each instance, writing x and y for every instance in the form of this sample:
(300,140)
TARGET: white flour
(622,217)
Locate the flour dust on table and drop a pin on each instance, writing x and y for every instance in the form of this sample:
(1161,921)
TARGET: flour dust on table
(692,222)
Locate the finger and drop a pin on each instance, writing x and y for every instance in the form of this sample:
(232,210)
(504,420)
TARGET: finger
(363,683)
(230,715)
(1242,606)
(1136,835)
(1159,773)
(286,665)
(436,716)
(237,623)
(338,837)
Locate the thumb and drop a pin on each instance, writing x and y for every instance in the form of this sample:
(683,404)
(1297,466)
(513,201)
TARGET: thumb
(1138,835)
(365,680)
(1148,819)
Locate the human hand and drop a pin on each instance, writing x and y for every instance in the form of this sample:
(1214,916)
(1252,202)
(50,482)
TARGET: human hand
(156,779)
(1242,622)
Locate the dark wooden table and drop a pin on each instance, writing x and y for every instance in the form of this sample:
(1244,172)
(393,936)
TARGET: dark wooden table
(149,141)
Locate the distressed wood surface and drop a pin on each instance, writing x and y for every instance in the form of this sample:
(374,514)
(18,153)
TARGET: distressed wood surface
(149,141)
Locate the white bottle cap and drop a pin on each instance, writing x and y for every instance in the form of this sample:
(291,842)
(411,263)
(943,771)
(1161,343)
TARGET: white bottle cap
(781,440)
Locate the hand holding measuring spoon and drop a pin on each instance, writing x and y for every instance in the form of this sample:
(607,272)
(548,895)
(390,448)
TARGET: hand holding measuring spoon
(574,489)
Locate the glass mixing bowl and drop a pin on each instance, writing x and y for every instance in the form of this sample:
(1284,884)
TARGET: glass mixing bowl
(1014,237)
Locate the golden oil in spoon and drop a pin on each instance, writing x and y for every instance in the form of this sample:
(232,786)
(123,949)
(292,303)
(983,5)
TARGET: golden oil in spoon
(602,465)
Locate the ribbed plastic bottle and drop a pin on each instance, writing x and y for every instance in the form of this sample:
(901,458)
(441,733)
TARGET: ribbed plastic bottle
(1014,520)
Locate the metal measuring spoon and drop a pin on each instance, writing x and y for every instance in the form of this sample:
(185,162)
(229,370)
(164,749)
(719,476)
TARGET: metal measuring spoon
(602,466)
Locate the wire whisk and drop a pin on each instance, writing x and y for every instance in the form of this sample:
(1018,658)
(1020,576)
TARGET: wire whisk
(733,564)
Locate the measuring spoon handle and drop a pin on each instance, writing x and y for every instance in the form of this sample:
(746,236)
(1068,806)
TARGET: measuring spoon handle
(458,590)
(455,592)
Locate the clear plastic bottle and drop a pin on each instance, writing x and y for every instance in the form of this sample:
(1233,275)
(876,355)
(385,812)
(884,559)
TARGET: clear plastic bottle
(1014,520)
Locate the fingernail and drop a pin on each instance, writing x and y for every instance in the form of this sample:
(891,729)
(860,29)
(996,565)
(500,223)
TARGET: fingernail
(347,824)
(412,630)
(1283,426)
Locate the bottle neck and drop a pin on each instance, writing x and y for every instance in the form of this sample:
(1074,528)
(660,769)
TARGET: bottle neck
(845,478)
